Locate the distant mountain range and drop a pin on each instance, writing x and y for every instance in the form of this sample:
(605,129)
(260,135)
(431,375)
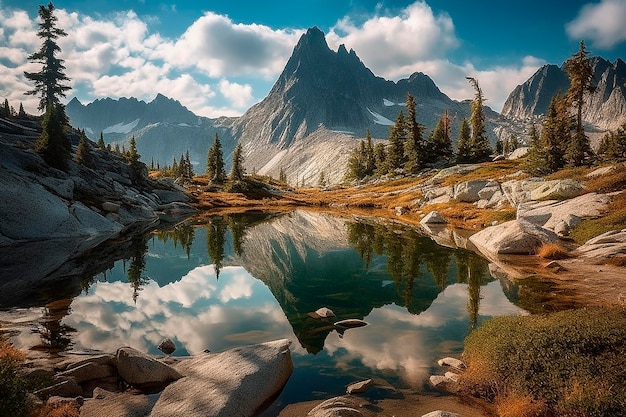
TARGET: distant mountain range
(320,105)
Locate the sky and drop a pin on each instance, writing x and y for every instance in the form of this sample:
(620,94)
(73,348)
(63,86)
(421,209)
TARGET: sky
(220,57)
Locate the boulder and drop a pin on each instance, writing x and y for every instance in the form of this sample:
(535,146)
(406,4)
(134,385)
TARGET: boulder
(518,153)
(440,413)
(433,218)
(600,171)
(350,323)
(67,388)
(438,195)
(360,387)
(110,207)
(444,383)
(337,407)
(454,170)
(116,404)
(557,190)
(452,362)
(143,372)
(513,237)
(88,371)
(489,190)
(607,245)
(551,214)
(167,346)
(236,382)
(468,191)
(324,312)
(518,192)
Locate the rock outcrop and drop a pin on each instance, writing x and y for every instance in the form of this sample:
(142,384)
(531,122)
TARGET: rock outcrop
(232,383)
(142,371)
(514,237)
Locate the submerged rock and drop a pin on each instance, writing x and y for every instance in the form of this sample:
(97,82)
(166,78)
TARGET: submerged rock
(350,323)
(167,346)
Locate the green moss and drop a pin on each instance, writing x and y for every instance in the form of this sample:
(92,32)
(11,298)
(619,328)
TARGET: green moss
(574,360)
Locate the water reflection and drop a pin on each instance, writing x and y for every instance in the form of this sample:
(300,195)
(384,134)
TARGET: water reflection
(246,279)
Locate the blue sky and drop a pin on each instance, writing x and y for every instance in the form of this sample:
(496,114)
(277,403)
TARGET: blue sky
(219,57)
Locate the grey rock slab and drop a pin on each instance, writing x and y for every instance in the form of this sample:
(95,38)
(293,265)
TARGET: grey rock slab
(360,387)
(441,413)
(232,383)
(433,218)
(89,371)
(469,191)
(557,190)
(142,371)
(67,388)
(514,237)
(452,362)
(337,407)
(111,404)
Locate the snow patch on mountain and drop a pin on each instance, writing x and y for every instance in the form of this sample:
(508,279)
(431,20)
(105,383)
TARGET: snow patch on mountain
(380,119)
(390,103)
(121,127)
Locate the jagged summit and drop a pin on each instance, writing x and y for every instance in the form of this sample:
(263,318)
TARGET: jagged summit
(604,108)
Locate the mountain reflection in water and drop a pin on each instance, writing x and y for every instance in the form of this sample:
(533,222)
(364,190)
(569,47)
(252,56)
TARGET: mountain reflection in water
(239,280)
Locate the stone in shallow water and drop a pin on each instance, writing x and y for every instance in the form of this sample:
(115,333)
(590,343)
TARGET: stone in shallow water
(167,346)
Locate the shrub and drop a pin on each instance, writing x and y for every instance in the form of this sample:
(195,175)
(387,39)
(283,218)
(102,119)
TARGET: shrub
(12,385)
(552,251)
(550,359)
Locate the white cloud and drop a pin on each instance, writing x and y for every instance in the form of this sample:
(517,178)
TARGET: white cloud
(240,95)
(418,40)
(219,47)
(602,23)
(390,44)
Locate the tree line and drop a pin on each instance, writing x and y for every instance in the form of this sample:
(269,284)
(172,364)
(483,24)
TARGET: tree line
(408,151)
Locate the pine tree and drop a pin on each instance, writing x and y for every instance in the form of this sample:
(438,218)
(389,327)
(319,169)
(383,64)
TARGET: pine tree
(613,146)
(439,144)
(21,112)
(380,158)
(369,165)
(132,156)
(49,82)
(479,142)
(101,144)
(188,166)
(237,170)
(5,111)
(83,156)
(215,162)
(355,168)
(53,144)
(282,175)
(414,147)
(463,154)
(321,182)
(395,148)
(580,72)
(175,169)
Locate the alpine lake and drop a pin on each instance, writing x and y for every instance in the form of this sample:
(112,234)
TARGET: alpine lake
(243,279)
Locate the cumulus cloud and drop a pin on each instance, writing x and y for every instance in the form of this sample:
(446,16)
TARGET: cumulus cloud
(388,44)
(240,95)
(219,47)
(602,23)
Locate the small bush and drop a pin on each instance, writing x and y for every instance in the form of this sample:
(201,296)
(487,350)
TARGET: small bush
(547,358)
(58,410)
(12,385)
(552,251)
(520,406)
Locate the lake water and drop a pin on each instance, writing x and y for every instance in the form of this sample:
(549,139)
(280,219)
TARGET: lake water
(243,279)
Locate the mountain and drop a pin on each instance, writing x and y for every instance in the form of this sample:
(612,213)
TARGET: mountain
(163,128)
(308,124)
(604,109)
(324,99)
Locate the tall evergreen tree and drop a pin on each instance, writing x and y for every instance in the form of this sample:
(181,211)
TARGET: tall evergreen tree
(21,112)
(355,169)
(395,148)
(53,144)
(369,165)
(215,162)
(479,142)
(175,168)
(580,72)
(463,153)
(83,156)
(439,144)
(50,81)
(5,111)
(188,166)
(414,146)
(101,144)
(237,170)
(132,156)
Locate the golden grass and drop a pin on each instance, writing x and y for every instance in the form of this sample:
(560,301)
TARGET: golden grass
(614,219)
(10,354)
(520,406)
(552,251)
(57,410)
(488,171)
(615,180)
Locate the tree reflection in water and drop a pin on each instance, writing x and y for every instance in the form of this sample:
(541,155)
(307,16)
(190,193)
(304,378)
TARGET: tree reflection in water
(410,254)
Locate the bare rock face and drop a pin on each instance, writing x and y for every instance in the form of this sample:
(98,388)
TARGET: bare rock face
(607,245)
(143,372)
(514,237)
(233,383)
